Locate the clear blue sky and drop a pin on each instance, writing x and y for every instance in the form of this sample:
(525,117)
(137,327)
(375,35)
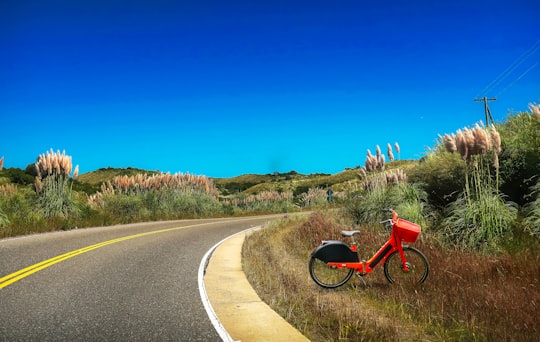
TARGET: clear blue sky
(224,88)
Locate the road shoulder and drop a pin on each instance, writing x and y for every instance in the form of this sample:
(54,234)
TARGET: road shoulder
(237,306)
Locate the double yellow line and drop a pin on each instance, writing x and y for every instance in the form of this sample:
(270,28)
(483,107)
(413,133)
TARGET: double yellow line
(25,272)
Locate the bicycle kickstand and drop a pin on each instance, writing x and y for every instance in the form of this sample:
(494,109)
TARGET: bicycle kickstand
(361,278)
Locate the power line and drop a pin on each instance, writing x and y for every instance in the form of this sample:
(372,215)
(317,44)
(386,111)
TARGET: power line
(518,78)
(506,73)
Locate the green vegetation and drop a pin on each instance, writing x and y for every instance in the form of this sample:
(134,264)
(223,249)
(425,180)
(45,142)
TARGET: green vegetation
(483,245)
(476,195)
(468,296)
(474,189)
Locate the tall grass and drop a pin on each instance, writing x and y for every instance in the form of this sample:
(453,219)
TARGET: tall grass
(480,216)
(163,195)
(4,221)
(532,210)
(314,197)
(53,185)
(263,202)
(467,297)
(19,206)
(386,189)
(479,222)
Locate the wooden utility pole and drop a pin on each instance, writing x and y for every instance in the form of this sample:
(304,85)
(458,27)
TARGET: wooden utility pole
(486,108)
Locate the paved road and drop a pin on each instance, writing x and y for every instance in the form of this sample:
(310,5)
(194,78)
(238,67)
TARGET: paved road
(139,289)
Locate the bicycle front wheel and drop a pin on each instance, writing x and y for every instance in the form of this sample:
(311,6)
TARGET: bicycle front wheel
(327,276)
(417,264)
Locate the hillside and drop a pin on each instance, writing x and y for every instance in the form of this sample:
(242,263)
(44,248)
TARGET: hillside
(246,184)
(104,174)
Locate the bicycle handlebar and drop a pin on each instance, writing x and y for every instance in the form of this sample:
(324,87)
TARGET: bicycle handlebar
(394,214)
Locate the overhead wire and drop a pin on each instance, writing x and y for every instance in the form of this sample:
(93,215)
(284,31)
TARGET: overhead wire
(517,79)
(510,69)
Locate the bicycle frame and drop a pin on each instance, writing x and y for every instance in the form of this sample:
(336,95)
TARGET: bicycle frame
(333,262)
(365,267)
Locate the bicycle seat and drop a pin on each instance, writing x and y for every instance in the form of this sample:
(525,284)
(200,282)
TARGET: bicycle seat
(349,233)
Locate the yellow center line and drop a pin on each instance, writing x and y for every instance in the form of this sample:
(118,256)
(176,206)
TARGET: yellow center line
(25,272)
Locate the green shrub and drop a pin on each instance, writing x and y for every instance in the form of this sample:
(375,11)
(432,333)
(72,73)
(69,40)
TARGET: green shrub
(413,204)
(19,204)
(520,157)
(17,176)
(532,212)
(123,208)
(194,204)
(441,175)
(4,221)
(409,200)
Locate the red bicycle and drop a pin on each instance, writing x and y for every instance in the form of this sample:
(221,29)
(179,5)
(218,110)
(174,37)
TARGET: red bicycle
(333,262)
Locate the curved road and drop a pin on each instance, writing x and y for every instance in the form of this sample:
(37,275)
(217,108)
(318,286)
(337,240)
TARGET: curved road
(137,282)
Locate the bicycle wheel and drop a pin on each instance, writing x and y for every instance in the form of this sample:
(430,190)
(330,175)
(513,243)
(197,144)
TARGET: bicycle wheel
(326,276)
(416,262)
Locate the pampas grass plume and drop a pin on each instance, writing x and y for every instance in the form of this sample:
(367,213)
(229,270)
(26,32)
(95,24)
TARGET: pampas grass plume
(396,145)
(495,139)
(481,140)
(450,142)
(535,110)
(390,152)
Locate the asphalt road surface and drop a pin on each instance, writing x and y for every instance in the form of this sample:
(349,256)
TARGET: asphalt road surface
(133,282)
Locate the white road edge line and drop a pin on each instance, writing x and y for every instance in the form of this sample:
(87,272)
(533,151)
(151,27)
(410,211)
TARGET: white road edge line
(202,290)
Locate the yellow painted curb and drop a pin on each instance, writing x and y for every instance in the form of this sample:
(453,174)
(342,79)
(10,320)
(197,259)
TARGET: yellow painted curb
(238,307)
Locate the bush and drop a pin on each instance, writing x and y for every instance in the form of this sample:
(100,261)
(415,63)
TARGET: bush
(520,157)
(4,221)
(17,176)
(409,200)
(441,175)
(532,212)
(193,204)
(123,207)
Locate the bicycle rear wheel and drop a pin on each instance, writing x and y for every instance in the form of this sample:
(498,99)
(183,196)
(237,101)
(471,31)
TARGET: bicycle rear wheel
(326,276)
(417,264)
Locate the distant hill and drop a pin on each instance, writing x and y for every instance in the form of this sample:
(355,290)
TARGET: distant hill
(245,184)
(295,182)
(104,174)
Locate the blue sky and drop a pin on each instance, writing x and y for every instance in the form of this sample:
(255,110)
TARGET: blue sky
(224,88)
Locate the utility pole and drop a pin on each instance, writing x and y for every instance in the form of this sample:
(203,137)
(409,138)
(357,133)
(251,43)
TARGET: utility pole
(486,108)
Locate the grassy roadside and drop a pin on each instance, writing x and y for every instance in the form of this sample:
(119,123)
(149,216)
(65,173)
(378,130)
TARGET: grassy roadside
(467,297)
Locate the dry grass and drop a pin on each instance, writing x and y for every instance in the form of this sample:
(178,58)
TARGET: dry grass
(8,189)
(376,179)
(473,141)
(142,183)
(466,297)
(55,163)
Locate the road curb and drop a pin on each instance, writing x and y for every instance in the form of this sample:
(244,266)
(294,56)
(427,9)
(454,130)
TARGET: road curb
(235,309)
(202,290)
